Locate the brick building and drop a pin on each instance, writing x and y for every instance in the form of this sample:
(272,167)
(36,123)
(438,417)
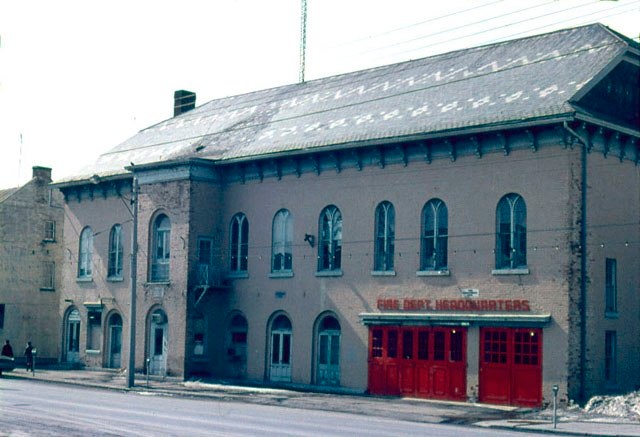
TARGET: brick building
(459,226)
(31,218)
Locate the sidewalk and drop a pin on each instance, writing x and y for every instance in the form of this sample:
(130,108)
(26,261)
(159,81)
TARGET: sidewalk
(418,410)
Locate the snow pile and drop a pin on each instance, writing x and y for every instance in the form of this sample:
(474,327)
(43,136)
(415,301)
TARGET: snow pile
(624,406)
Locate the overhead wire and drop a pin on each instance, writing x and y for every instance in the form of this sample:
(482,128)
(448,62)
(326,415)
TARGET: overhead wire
(470,35)
(420,23)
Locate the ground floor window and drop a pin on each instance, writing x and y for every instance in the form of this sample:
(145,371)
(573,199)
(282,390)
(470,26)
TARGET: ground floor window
(610,346)
(94,330)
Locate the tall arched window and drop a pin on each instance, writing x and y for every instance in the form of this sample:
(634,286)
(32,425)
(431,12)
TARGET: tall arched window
(115,252)
(435,234)
(282,242)
(385,237)
(239,243)
(85,253)
(330,241)
(511,232)
(161,249)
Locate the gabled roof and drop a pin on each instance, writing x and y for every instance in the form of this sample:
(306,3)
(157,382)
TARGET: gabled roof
(529,79)
(5,194)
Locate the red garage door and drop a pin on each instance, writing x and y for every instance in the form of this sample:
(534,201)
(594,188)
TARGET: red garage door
(428,362)
(511,366)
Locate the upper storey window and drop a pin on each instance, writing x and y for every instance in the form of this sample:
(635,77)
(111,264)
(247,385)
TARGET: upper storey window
(330,241)
(511,232)
(115,252)
(385,237)
(239,244)
(161,249)
(282,242)
(435,234)
(85,254)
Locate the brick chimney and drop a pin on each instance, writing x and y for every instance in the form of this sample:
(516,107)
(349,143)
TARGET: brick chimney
(42,173)
(183,101)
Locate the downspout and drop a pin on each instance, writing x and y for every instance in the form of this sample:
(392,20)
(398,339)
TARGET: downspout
(583,257)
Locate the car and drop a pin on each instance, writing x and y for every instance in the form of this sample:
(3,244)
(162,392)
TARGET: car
(7,364)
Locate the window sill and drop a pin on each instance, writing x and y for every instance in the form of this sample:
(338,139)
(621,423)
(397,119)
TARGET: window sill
(47,289)
(158,283)
(499,272)
(48,240)
(115,279)
(442,272)
(93,351)
(85,279)
(237,275)
(611,315)
(383,273)
(283,274)
(329,273)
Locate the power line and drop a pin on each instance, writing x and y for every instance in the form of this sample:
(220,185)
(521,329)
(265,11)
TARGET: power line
(493,29)
(466,26)
(430,20)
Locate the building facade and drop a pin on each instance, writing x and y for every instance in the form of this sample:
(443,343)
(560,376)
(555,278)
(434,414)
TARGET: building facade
(31,235)
(460,227)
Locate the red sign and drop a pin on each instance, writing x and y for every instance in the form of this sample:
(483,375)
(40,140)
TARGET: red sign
(410,304)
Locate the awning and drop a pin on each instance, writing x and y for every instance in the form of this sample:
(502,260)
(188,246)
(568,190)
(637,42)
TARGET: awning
(93,306)
(456,319)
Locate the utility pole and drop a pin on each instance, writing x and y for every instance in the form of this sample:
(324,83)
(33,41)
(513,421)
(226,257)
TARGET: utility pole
(303,39)
(131,370)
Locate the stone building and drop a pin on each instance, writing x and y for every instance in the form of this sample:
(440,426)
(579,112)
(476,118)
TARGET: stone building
(459,226)
(31,235)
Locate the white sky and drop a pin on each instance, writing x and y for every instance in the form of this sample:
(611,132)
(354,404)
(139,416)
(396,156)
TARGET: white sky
(79,77)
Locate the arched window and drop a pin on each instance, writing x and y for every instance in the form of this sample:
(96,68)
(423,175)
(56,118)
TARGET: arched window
(85,253)
(385,237)
(435,234)
(282,242)
(239,244)
(161,249)
(511,232)
(115,252)
(330,241)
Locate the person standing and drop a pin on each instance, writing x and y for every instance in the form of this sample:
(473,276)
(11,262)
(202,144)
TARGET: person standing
(28,353)
(7,350)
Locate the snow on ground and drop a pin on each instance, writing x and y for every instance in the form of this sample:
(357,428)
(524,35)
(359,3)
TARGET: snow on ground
(623,406)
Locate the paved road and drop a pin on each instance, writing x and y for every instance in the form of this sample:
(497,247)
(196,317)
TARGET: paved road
(35,409)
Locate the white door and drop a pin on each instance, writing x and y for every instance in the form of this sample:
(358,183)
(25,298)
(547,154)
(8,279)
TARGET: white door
(115,341)
(72,340)
(280,356)
(329,358)
(158,344)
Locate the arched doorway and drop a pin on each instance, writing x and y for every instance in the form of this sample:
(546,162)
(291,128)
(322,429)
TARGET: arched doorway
(280,351)
(237,346)
(114,345)
(157,341)
(328,351)
(72,337)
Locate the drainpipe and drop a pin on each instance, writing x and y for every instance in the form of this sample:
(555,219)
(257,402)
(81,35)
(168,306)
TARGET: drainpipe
(583,258)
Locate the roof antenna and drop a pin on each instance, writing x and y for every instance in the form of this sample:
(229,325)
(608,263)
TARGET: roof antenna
(20,158)
(303,39)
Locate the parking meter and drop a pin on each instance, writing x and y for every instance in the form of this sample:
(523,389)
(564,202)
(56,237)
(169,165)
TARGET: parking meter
(555,405)
(34,351)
